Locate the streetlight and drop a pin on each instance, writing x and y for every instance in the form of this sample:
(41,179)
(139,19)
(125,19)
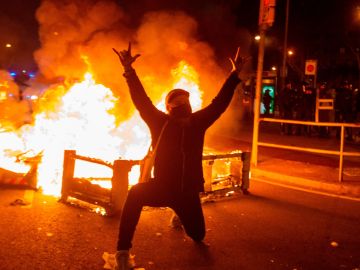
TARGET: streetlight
(283,68)
(8,45)
(357,13)
(266,19)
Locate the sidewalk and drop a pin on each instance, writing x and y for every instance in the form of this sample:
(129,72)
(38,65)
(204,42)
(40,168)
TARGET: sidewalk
(312,171)
(309,176)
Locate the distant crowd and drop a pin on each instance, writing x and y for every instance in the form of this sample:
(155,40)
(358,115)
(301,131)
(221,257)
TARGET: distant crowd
(299,103)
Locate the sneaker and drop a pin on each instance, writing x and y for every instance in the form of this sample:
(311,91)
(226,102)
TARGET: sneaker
(124,261)
(175,222)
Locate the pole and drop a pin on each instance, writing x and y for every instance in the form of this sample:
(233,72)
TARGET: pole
(283,67)
(341,157)
(358,62)
(258,95)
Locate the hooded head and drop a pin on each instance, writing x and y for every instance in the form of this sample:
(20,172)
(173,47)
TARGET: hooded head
(177,103)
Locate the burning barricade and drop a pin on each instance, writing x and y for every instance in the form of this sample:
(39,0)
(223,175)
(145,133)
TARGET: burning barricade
(26,179)
(82,118)
(91,190)
(110,193)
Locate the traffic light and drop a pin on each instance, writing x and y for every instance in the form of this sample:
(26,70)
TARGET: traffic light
(267,12)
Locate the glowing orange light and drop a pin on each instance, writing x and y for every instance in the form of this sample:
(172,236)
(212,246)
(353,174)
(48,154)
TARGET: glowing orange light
(83,120)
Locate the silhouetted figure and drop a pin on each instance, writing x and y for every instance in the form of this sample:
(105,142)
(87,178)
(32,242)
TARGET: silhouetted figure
(298,108)
(344,108)
(324,115)
(357,106)
(267,99)
(309,101)
(357,112)
(178,176)
(286,105)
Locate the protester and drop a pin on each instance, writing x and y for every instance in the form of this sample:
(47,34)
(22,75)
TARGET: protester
(286,106)
(344,108)
(324,115)
(267,100)
(309,96)
(178,176)
(298,109)
(357,112)
(357,105)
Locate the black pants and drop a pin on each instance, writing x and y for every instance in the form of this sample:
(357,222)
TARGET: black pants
(186,205)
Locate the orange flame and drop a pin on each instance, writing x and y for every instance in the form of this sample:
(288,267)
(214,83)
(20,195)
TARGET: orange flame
(83,121)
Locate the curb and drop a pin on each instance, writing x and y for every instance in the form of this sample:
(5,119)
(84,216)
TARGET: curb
(342,189)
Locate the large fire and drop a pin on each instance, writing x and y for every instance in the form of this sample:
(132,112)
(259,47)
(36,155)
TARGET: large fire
(84,120)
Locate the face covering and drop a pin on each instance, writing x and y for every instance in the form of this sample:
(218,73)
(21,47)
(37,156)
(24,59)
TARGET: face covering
(181,111)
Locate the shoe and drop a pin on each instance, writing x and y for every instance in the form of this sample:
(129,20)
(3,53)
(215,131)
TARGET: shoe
(124,261)
(245,191)
(175,222)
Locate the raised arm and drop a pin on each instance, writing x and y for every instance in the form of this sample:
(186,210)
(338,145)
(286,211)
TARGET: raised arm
(137,92)
(212,112)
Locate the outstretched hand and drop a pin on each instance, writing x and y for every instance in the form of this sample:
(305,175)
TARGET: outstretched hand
(126,58)
(238,62)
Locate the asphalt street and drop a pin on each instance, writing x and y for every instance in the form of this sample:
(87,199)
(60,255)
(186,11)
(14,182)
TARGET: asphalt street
(273,228)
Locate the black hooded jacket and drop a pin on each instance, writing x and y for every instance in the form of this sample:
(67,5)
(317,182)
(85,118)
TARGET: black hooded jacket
(178,162)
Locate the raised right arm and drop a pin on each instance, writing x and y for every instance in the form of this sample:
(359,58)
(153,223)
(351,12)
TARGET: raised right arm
(138,95)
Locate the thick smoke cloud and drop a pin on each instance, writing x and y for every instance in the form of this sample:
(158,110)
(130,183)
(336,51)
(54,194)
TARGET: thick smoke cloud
(67,29)
(78,36)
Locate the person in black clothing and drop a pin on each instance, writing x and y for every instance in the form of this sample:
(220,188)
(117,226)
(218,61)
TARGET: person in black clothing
(324,115)
(357,112)
(344,108)
(267,99)
(357,106)
(286,104)
(309,103)
(298,109)
(178,176)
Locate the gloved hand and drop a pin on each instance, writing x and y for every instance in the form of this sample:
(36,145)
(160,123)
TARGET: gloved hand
(126,58)
(238,62)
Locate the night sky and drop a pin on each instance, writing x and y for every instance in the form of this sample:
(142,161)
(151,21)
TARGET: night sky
(314,26)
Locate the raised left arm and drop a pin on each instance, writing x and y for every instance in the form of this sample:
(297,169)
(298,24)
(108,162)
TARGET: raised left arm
(138,95)
(212,112)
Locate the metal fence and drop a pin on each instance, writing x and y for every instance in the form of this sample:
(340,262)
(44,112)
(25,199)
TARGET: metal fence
(112,200)
(341,153)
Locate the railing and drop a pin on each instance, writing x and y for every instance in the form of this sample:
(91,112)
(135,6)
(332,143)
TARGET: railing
(241,174)
(82,189)
(341,153)
(113,199)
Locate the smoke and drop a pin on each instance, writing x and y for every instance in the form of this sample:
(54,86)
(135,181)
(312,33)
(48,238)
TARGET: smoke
(167,37)
(13,111)
(78,36)
(67,30)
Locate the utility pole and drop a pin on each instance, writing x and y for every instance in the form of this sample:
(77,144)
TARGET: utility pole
(266,19)
(259,72)
(283,67)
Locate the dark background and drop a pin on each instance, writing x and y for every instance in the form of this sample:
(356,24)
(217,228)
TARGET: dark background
(324,30)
